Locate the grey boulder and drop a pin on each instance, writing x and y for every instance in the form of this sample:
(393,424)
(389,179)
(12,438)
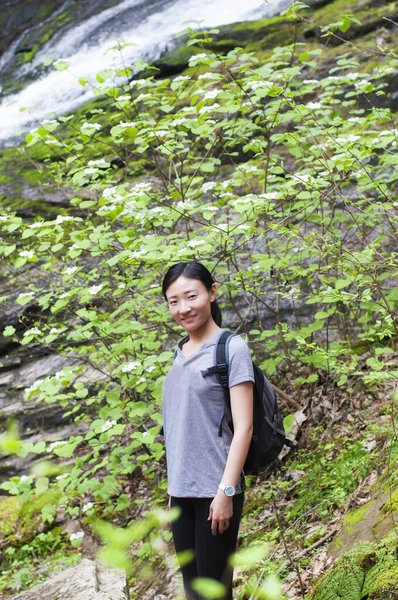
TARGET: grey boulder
(86,581)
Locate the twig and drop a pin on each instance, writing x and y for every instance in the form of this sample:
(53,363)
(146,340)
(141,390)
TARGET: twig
(315,545)
(289,399)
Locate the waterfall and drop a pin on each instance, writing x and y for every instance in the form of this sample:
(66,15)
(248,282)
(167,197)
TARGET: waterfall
(147,25)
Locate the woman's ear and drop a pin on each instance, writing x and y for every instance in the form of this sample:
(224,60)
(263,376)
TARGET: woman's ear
(213,292)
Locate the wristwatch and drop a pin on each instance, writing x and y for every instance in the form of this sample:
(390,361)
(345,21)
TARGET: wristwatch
(228,490)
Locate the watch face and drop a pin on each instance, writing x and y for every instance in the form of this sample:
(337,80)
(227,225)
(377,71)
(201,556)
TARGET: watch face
(229,490)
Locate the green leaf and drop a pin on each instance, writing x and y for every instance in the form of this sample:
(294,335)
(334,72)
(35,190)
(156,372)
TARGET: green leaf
(248,557)
(288,422)
(9,331)
(209,588)
(345,24)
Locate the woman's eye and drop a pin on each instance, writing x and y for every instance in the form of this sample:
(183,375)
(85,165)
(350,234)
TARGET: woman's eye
(191,297)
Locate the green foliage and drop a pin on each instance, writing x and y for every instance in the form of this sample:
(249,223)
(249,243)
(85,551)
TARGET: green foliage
(363,572)
(285,186)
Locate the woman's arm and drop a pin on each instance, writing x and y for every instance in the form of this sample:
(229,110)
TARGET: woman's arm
(242,416)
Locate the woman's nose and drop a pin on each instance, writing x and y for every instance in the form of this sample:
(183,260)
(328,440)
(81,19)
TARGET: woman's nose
(184,308)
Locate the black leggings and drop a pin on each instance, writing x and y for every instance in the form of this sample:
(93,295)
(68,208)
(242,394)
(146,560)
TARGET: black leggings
(192,531)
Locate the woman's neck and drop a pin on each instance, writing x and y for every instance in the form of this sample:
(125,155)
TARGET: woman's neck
(203,333)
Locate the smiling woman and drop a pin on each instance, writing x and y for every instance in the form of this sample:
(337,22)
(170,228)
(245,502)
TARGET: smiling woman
(204,469)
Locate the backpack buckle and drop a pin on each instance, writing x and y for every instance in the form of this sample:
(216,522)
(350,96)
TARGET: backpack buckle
(222,370)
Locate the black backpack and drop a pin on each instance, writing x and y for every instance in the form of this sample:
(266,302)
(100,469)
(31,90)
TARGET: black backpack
(268,432)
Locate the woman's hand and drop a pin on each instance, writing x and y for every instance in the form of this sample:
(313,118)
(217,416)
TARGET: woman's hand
(220,513)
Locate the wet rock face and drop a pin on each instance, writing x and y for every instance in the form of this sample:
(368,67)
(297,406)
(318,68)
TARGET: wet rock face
(19,15)
(86,581)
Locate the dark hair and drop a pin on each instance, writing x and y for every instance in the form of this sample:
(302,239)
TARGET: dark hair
(193,270)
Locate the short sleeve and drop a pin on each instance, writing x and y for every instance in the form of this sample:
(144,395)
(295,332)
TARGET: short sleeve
(240,362)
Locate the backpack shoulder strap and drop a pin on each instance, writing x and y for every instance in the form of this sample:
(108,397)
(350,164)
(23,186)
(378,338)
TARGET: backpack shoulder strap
(220,366)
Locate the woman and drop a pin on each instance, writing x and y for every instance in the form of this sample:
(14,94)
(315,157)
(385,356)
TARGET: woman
(205,478)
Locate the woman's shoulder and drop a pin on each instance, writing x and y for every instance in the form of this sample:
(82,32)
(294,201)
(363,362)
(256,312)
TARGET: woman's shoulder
(238,345)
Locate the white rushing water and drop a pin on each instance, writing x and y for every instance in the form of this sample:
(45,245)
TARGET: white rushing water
(147,25)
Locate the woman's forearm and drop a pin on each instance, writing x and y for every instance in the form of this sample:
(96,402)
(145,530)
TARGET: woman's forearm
(236,457)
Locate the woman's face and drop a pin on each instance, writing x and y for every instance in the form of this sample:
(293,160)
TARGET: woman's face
(190,302)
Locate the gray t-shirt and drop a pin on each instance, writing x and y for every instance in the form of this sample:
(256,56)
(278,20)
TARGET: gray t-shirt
(193,407)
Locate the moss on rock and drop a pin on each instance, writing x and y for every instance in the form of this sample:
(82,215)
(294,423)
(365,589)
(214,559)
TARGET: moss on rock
(368,570)
(15,527)
(386,585)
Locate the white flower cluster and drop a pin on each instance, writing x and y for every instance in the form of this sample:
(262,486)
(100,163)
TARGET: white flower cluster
(209,75)
(180,121)
(108,425)
(76,536)
(33,331)
(338,157)
(209,185)
(130,366)
(70,270)
(182,78)
(243,200)
(269,195)
(37,224)
(94,289)
(139,83)
(184,204)
(3,218)
(63,218)
(143,97)
(349,138)
(313,105)
(197,58)
(140,188)
(26,295)
(211,94)
(90,170)
(87,506)
(249,168)
(95,126)
(254,85)
(59,374)
(123,98)
(33,388)
(112,194)
(98,162)
(161,133)
(23,478)
(311,81)
(51,447)
(195,243)
(27,254)
(55,330)
(126,125)
(302,177)
(208,109)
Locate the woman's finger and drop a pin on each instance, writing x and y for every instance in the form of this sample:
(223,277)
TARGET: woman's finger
(214,525)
